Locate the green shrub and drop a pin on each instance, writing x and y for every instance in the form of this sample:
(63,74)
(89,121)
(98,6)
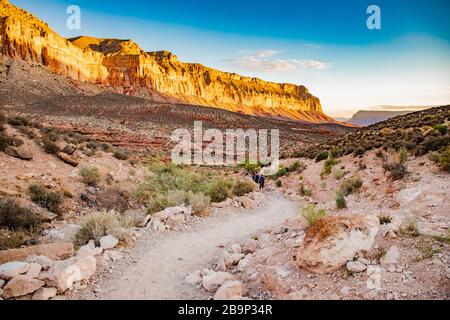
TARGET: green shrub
(198,201)
(296,166)
(350,185)
(220,190)
(133,219)
(49,146)
(304,191)
(410,229)
(442,159)
(95,225)
(403,156)
(45,198)
(396,170)
(322,155)
(90,175)
(327,166)
(311,214)
(442,128)
(337,173)
(18,121)
(92,145)
(336,152)
(340,200)
(12,239)
(121,155)
(13,216)
(242,187)
(282,171)
(176,197)
(429,117)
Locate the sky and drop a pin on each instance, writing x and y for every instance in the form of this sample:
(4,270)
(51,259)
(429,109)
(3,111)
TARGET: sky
(323,45)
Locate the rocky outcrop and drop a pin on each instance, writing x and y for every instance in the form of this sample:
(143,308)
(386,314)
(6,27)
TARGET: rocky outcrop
(124,67)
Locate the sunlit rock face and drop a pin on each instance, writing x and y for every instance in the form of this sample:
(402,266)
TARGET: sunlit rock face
(126,68)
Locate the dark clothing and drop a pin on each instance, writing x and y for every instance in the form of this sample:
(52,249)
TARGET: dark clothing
(260,179)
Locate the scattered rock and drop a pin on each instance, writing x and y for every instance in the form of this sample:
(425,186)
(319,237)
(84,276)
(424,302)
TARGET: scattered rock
(69,149)
(108,242)
(334,240)
(2,283)
(34,270)
(391,257)
(236,248)
(67,159)
(89,250)
(237,257)
(223,204)
(11,269)
(65,233)
(19,152)
(230,290)
(214,280)
(21,285)
(389,234)
(250,246)
(193,278)
(356,266)
(44,261)
(246,202)
(44,294)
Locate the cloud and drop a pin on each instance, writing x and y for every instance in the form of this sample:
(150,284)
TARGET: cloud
(266,61)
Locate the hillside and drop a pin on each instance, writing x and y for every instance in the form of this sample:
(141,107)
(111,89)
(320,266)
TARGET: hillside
(368,117)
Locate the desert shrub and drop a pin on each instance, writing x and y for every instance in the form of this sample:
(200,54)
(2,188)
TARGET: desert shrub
(322,155)
(252,167)
(46,198)
(106,147)
(311,214)
(350,185)
(402,156)
(296,166)
(337,173)
(220,190)
(50,146)
(336,152)
(13,216)
(385,219)
(95,225)
(410,229)
(18,121)
(340,200)
(304,191)
(92,145)
(176,197)
(327,166)
(133,219)
(442,159)
(279,183)
(282,171)
(90,175)
(442,128)
(157,203)
(242,187)
(6,141)
(198,201)
(429,117)
(121,155)
(12,239)
(396,170)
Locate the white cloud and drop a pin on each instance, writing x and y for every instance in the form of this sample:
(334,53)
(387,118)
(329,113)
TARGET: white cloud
(265,61)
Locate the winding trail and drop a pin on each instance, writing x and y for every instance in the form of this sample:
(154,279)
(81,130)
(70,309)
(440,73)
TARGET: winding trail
(160,264)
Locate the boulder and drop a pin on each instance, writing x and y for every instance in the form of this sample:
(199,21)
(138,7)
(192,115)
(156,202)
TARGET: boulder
(237,257)
(211,282)
(67,159)
(19,152)
(34,270)
(230,290)
(406,196)
(44,261)
(65,233)
(272,277)
(108,242)
(333,240)
(175,221)
(21,285)
(2,283)
(223,204)
(356,266)
(11,269)
(236,248)
(391,257)
(112,199)
(69,149)
(246,202)
(44,293)
(193,278)
(55,251)
(89,250)
(250,246)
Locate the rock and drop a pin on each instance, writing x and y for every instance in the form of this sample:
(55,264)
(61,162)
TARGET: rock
(247,203)
(364,261)
(63,274)
(67,159)
(344,291)
(11,269)
(175,221)
(193,278)
(223,204)
(112,255)
(356,266)
(244,263)
(302,294)
(406,196)
(228,260)
(69,149)
(19,152)
(89,250)
(108,242)
(334,240)
(34,270)
(44,293)
(65,233)
(237,257)
(55,251)
(236,248)
(389,234)
(250,246)
(44,261)
(2,283)
(272,279)
(21,285)
(214,280)
(220,264)
(206,272)
(391,257)
(111,199)
(123,234)
(230,290)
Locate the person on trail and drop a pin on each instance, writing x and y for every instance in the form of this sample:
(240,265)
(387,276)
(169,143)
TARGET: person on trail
(261,181)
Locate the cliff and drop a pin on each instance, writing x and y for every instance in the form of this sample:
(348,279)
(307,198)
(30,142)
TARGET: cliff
(123,66)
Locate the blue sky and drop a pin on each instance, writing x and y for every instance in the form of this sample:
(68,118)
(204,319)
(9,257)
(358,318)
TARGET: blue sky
(324,45)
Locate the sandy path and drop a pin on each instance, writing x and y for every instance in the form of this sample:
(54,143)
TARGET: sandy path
(160,264)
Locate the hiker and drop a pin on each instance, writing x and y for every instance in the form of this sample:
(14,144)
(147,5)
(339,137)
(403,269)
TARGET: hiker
(261,181)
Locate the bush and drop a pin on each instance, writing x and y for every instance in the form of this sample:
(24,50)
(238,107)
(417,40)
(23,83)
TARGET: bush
(242,187)
(442,159)
(311,214)
(12,239)
(340,200)
(176,197)
(121,155)
(442,128)
(327,166)
(350,185)
(18,121)
(279,183)
(49,146)
(296,166)
(304,191)
(396,171)
(92,145)
(282,171)
(403,156)
(322,155)
(219,191)
(6,141)
(133,219)
(198,201)
(90,176)
(13,216)
(410,229)
(337,173)
(429,117)
(336,152)
(45,198)
(95,225)
(385,219)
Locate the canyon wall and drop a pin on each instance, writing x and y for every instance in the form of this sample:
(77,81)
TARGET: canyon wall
(123,66)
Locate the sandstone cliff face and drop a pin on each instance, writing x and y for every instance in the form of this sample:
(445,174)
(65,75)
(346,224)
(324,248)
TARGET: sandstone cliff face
(125,67)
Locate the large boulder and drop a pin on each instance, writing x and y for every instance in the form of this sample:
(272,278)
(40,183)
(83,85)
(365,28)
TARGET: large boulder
(44,293)
(20,286)
(212,281)
(12,269)
(55,251)
(230,290)
(67,159)
(19,152)
(333,240)
(108,242)
(44,261)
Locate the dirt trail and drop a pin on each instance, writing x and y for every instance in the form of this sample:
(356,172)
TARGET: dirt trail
(161,264)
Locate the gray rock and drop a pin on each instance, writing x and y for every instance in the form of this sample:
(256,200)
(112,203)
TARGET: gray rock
(44,261)
(356,266)
(392,256)
(12,269)
(108,242)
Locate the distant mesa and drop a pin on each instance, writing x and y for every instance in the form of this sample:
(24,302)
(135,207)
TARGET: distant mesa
(124,67)
(369,117)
